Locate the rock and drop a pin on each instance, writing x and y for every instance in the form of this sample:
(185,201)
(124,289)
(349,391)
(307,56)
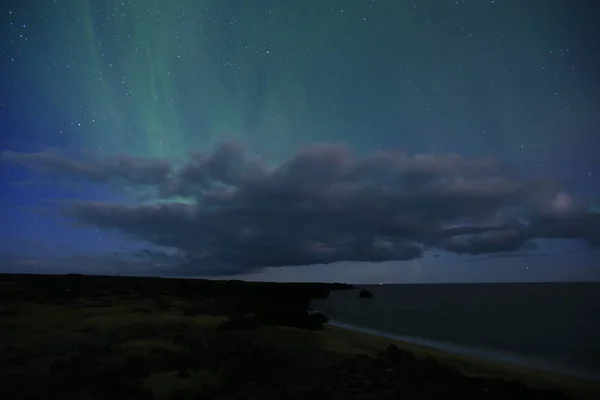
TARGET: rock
(95,347)
(431,362)
(319,317)
(341,286)
(311,322)
(247,322)
(125,389)
(136,367)
(182,373)
(59,365)
(193,310)
(209,391)
(232,308)
(365,294)
(392,352)
(9,312)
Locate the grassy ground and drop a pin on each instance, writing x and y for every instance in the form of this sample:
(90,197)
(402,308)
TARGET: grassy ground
(33,336)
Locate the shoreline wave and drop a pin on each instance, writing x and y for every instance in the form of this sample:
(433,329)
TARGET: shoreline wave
(483,354)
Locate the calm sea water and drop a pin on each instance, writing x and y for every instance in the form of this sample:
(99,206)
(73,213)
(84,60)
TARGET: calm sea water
(552,326)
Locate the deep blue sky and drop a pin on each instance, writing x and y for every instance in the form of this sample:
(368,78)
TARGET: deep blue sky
(514,82)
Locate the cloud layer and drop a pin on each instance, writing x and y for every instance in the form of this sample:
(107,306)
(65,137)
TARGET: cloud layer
(323,205)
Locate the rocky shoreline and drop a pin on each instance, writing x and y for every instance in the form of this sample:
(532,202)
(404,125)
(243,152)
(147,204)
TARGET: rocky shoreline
(80,337)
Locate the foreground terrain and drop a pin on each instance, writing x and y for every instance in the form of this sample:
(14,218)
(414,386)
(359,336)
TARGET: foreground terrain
(83,337)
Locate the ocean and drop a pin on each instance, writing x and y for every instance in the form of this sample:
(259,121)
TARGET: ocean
(547,326)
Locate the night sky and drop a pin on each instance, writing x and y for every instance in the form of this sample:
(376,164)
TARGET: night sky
(357,141)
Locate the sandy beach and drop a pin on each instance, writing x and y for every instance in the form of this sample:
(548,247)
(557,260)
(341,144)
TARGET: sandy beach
(335,342)
(352,341)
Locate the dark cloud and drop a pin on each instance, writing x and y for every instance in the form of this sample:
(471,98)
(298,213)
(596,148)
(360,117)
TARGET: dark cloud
(487,242)
(572,224)
(323,205)
(119,169)
(512,254)
(95,264)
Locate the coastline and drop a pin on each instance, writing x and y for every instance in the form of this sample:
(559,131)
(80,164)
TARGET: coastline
(357,340)
(480,353)
(151,338)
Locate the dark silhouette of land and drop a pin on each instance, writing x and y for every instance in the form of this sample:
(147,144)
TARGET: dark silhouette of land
(93,337)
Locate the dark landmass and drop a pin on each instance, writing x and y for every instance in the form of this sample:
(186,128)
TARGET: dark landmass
(86,337)
(365,294)
(269,303)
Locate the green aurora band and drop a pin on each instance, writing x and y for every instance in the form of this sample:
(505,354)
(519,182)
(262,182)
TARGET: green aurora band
(156,78)
(160,77)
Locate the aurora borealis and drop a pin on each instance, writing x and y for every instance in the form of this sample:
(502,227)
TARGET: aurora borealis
(509,80)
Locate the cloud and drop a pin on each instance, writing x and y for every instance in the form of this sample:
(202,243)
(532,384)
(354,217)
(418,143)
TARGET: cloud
(487,242)
(322,205)
(576,223)
(512,254)
(92,264)
(119,169)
